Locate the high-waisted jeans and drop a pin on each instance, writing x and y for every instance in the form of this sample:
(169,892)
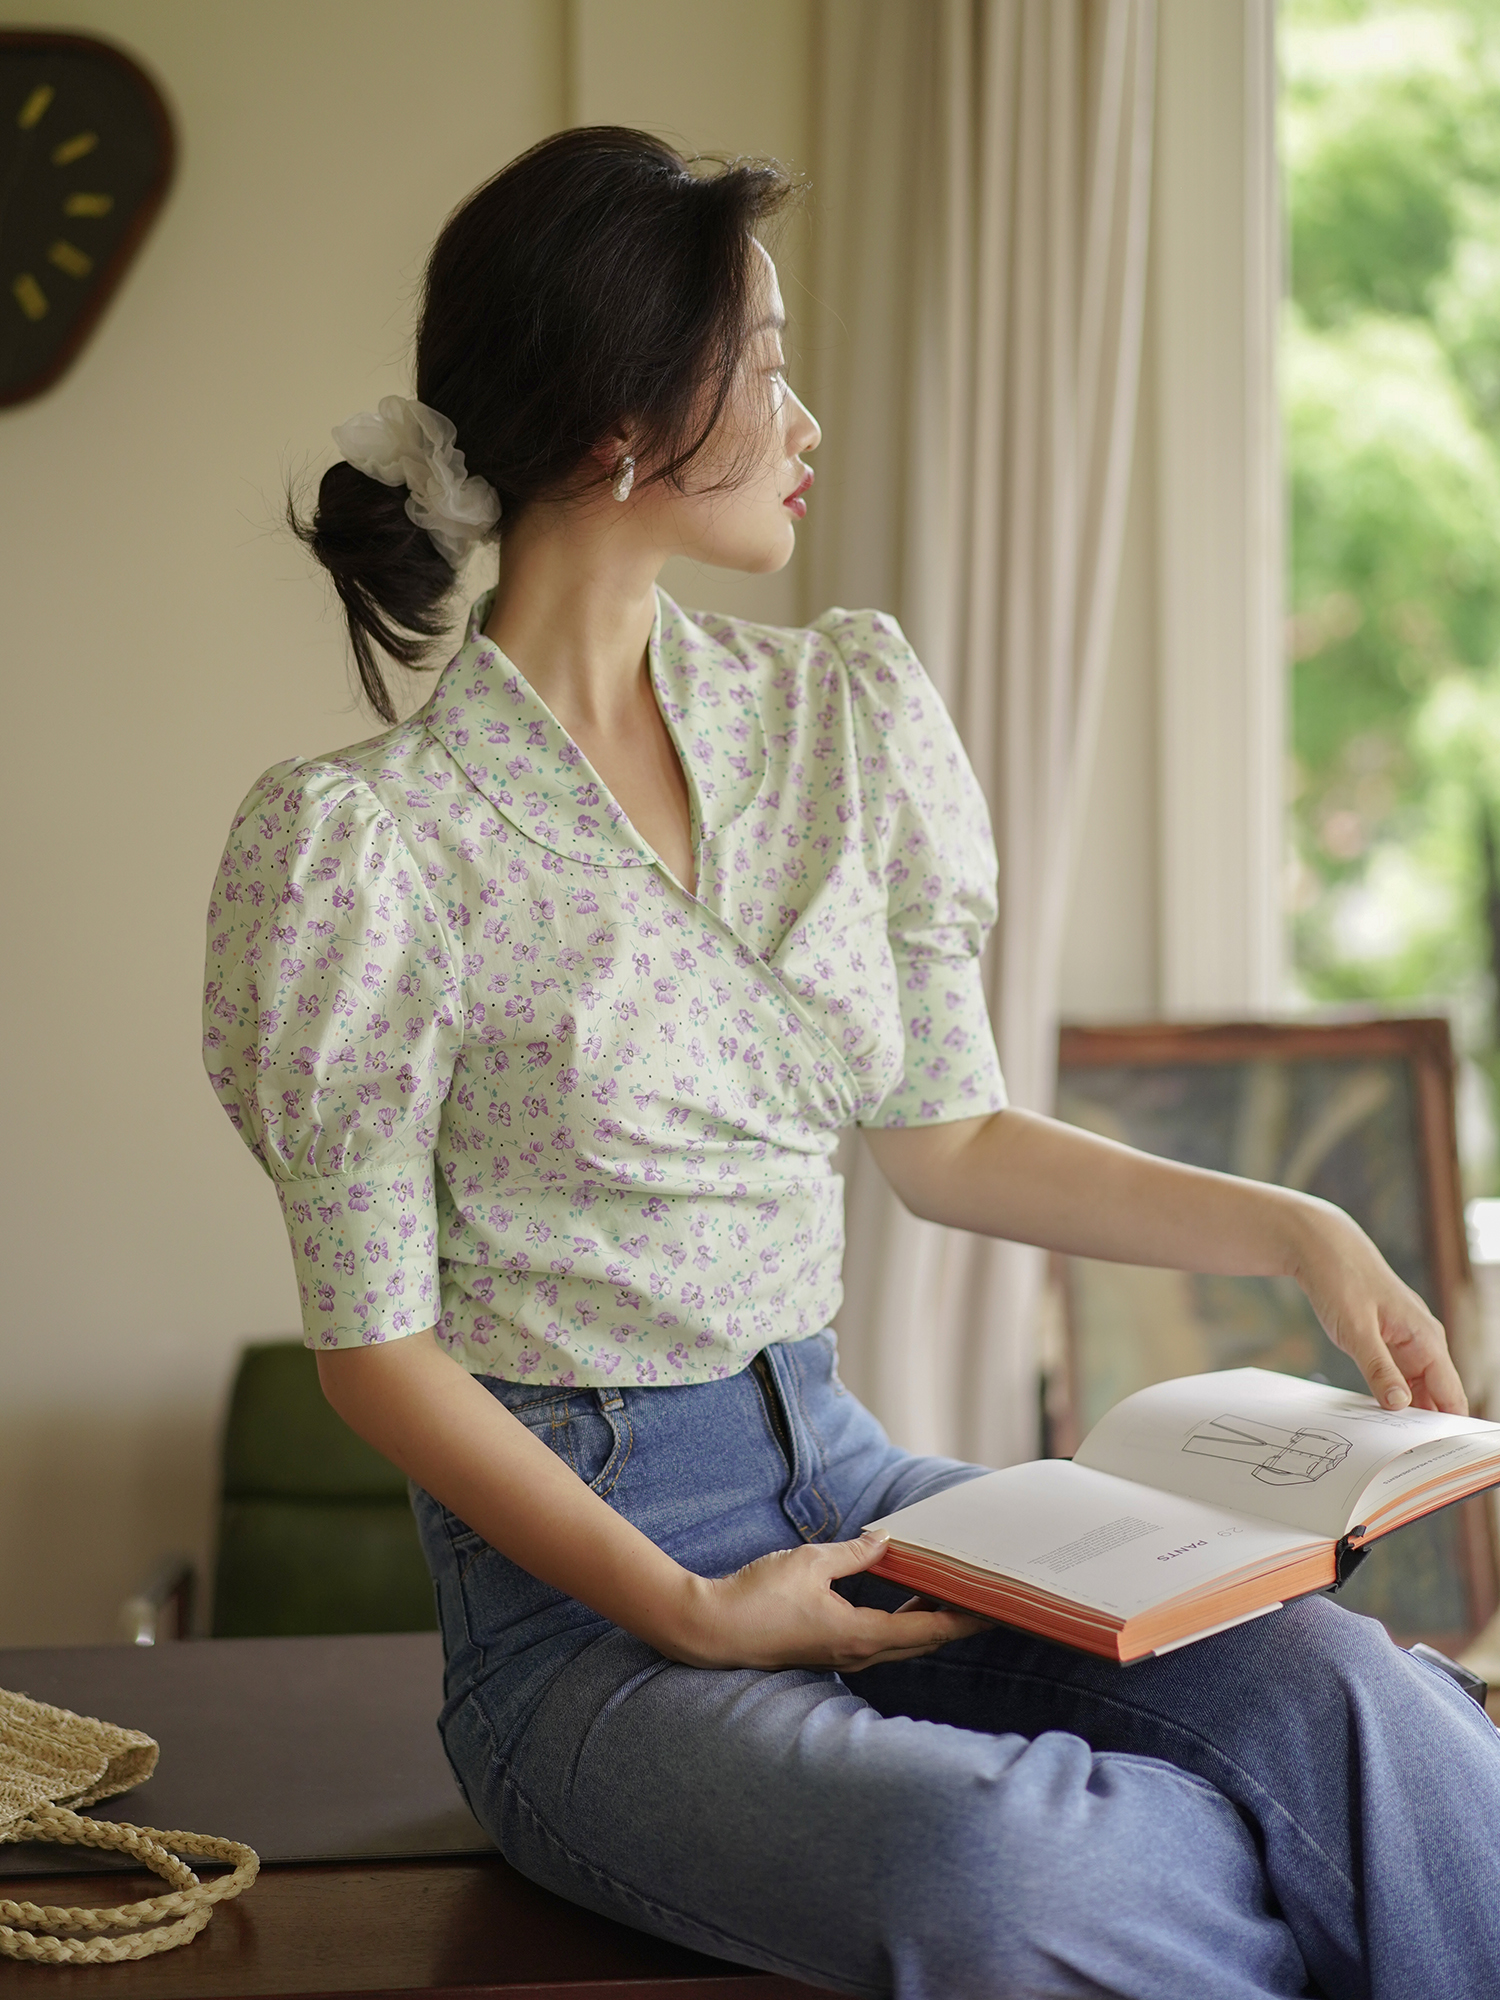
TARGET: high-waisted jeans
(1292,1806)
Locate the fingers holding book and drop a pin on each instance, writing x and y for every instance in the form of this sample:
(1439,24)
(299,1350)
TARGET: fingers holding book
(1378,1321)
(781,1611)
(1421,1354)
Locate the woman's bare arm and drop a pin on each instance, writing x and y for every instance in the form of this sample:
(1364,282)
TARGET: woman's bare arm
(1037,1180)
(443,1429)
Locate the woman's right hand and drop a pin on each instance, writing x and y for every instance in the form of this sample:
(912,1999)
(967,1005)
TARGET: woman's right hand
(781,1611)
(442,1428)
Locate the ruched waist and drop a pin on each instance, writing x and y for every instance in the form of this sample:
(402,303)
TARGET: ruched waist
(560,1284)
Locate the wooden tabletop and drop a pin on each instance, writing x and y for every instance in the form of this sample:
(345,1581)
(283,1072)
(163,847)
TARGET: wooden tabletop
(323,1755)
(315,1749)
(438,1929)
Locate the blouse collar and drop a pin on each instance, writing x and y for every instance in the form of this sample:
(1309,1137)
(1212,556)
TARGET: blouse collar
(515,751)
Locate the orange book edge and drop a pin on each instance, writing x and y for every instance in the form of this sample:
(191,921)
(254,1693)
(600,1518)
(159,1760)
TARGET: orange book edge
(1091,1631)
(1440,1493)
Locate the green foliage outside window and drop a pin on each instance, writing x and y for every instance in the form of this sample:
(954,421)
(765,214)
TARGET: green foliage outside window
(1391,382)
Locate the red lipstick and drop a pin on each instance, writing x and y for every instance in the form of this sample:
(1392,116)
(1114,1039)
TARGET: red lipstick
(794,500)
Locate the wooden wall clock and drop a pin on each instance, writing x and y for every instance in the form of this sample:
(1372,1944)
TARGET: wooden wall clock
(86,154)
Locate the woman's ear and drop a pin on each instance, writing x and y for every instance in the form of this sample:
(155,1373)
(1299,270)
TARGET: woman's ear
(609,451)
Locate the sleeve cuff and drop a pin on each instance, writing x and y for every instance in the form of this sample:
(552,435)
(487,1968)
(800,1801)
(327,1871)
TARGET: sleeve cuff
(365,1250)
(950,1067)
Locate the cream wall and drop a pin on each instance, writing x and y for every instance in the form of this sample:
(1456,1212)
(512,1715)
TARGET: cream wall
(165,640)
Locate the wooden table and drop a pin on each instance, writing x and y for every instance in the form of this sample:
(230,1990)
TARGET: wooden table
(371,1889)
(442,1930)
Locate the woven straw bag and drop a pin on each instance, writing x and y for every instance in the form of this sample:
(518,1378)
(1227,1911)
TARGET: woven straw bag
(52,1762)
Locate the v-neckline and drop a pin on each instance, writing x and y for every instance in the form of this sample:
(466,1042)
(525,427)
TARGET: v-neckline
(513,749)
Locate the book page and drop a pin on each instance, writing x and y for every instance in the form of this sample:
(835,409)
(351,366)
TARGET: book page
(1103,1542)
(1298,1453)
(1444,1466)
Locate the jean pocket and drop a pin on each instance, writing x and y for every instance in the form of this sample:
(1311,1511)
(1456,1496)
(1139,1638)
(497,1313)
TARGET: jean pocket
(589,1429)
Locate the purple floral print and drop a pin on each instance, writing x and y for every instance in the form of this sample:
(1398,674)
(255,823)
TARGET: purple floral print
(510,1078)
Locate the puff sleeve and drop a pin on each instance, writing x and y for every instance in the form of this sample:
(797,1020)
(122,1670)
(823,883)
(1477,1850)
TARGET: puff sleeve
(331,1027)
(927,835)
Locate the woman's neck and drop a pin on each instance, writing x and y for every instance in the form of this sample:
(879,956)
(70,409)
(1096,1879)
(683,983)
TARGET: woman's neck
(573,611)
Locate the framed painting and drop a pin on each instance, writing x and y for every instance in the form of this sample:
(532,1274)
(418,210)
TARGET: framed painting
(1360,1112)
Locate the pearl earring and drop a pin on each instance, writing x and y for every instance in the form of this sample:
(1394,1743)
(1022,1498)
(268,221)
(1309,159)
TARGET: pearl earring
(624,479)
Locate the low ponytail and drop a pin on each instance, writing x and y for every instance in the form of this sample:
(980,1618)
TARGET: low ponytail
(390,577)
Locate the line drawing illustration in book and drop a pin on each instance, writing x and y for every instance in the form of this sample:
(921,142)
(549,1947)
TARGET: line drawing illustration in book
(1279,1457)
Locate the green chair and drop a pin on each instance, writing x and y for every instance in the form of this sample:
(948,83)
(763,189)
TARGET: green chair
(315,1530)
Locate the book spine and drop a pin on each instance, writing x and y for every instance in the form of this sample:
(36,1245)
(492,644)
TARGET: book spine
(1347,1558)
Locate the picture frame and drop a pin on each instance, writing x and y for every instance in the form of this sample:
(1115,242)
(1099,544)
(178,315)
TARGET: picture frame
(1358,1111)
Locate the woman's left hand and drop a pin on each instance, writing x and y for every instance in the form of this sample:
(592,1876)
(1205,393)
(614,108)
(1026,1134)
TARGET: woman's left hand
(1378,1321)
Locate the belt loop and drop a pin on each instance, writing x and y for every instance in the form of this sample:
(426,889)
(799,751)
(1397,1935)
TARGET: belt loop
(610,1399)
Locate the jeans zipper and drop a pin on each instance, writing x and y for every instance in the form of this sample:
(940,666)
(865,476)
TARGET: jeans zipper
(761,1368)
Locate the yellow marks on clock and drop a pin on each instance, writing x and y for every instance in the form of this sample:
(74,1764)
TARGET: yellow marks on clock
(29,296)
(34,110)
(68,257)
(31,114)
(63,255)
(74,148)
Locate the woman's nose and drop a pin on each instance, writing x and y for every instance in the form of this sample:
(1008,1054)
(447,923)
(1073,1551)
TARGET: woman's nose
(804,434)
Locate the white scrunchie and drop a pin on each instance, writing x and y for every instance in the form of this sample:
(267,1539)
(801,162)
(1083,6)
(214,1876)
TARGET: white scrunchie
(410,445)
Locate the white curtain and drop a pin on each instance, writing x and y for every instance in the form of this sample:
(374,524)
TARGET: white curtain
(981,201)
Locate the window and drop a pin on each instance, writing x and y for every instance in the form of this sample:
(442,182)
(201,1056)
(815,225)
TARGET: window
(1391,385)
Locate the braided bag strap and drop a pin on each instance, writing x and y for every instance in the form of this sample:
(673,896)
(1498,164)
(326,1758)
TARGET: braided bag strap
(49,1934)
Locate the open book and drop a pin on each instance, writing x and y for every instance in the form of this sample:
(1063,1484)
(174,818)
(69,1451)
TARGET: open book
(1189,1507)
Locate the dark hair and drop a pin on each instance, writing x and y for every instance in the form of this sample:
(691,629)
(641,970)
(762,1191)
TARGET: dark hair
(597,283)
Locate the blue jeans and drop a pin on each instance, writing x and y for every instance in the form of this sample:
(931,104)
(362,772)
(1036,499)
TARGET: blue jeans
(1292,1806)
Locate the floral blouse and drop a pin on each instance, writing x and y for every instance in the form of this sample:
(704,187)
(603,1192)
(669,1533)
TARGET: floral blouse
(510,1078)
